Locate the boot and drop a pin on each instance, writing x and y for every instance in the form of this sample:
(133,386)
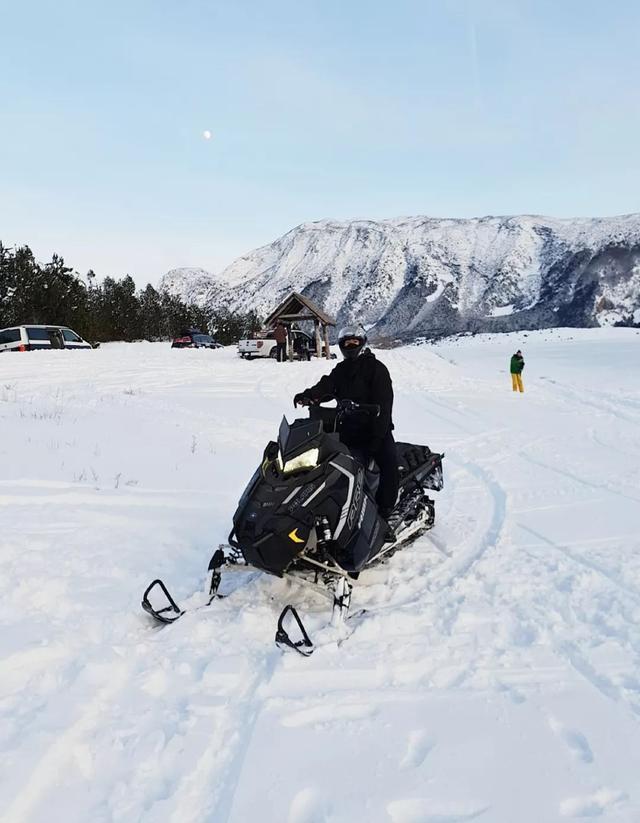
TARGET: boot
(389,535)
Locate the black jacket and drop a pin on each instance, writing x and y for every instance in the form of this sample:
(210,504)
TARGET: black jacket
(363,380)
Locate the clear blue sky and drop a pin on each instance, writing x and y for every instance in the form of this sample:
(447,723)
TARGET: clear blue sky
(356,108)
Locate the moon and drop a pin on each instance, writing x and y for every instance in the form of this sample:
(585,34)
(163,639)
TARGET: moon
(207,134)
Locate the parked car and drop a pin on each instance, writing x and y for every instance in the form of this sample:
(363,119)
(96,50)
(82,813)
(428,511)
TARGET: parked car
(195,339)
(32,338)
(264,345)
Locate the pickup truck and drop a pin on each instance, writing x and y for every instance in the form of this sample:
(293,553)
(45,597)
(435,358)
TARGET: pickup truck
(265,345)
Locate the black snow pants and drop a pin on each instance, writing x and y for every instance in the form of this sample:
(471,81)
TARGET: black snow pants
(387,459)
(282,352)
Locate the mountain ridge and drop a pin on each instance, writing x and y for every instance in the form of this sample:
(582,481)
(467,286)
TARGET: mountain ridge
(408,277)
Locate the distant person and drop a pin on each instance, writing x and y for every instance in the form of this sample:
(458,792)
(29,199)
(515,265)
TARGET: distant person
(57,341)
(301,346)
(280,336)
(517,364)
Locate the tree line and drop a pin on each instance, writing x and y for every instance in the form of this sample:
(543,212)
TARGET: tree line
(53,293)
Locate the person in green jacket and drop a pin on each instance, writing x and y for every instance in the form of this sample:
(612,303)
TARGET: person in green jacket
(517,364)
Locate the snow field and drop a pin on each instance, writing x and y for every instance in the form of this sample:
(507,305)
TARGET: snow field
(495,678)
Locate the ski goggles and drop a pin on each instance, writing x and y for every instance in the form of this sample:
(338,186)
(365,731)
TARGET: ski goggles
(351,343)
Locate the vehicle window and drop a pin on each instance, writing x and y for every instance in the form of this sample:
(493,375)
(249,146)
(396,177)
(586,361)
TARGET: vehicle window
(71,336)
(38,334)
(10,336)
(202,338)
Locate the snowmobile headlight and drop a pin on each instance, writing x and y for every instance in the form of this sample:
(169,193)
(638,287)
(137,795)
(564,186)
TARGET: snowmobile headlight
(306,460)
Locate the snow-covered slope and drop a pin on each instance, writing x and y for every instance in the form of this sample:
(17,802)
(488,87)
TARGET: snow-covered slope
(423,276)
(190,285)
(496,677)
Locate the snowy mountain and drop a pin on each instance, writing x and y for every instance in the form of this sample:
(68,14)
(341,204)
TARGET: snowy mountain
(189,284)
(422,276)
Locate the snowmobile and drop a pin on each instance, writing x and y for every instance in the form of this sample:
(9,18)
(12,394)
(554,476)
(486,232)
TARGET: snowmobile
(309,513)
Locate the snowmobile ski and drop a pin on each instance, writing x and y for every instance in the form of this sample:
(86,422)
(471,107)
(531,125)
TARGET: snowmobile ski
(168,613)
(304,646)
(168,610)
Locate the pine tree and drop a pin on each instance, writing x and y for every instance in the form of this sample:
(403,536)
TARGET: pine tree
(55,294)
(150,313)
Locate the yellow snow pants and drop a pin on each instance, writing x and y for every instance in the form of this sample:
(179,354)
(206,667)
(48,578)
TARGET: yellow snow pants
(516,382)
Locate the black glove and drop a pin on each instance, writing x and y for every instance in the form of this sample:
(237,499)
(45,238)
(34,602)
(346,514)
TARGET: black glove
(302,399)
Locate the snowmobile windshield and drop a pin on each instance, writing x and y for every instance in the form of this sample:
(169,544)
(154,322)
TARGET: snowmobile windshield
(292,437)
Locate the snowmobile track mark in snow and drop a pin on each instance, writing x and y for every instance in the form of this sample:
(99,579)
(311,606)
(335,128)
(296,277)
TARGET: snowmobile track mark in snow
(576,479)
(46,771)
(586,564)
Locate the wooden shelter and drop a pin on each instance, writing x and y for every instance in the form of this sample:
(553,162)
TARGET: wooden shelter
(297,308)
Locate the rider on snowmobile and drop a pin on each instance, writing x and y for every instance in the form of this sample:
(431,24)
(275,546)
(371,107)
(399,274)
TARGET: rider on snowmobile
(364,379)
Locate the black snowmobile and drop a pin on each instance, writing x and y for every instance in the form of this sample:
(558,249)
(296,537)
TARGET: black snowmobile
(309,512)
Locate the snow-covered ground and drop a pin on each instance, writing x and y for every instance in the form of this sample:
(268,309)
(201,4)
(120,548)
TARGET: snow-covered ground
(496,677)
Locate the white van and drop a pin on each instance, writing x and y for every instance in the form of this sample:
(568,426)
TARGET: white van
(31,338)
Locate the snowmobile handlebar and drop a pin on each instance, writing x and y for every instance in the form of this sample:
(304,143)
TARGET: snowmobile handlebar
(342,407)
(347,406)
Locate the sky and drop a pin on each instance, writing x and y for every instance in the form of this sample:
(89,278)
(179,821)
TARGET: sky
(351,109)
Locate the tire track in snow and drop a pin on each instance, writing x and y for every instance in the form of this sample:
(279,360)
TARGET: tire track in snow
(571,476)
(566,651)
(607,406)
(249,712)
(206,791)
(463,556)
(595,678)
(625,452)
(494,532)
(567,648)
(46,773)
(496,492)
(587,564)
(570,651)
